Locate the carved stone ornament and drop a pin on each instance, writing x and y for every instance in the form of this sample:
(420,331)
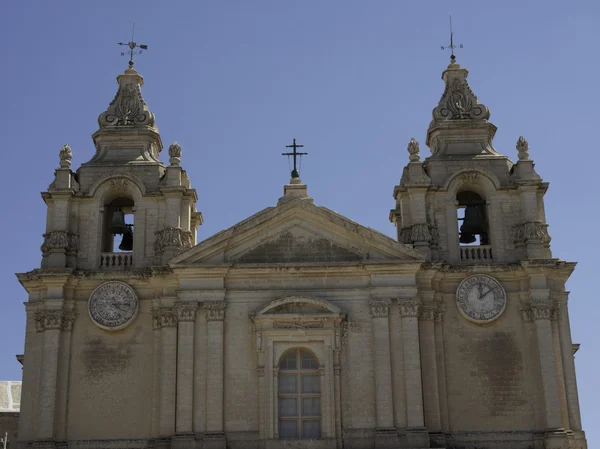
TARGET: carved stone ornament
(175,154)
(379,308)
(65,154)
(413,150)
(164,317)
(54,319)
(409,307)
(430,312)
(128,107)
(420,233)
(215,310)
(186,311)
(298,324)
(170,238)
(113,305)
(119,184)
(531,230)
(60,240)
(480,298)
(468,178)
(523,149)
(458,101)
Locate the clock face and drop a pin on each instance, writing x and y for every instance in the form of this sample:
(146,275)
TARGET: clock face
(480,298)
(113,305)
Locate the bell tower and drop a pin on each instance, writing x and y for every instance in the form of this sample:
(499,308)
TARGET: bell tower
(123,209)
(466,202)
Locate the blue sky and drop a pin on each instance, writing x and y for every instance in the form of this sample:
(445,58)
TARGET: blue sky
(234,81)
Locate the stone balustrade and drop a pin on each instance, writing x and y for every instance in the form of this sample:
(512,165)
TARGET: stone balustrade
(116,261)
(476,254)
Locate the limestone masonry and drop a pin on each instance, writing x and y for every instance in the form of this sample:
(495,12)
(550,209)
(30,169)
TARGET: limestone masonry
(297,327)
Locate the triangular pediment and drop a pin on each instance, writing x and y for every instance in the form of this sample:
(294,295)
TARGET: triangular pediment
(296,232)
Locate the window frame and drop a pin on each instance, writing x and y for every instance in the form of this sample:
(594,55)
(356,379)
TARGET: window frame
(299,372)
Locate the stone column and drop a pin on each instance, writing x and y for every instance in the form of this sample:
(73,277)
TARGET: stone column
(441,368)
(337,385)
(542,314)
(214,436)
(383,370)
(186,314)
(166,320)
(62,385)
(50,323)
(409,311)
(431,396)
(569,365)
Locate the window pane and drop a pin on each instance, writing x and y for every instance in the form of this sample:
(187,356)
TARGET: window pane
(311,406)
(311,383)
(308,360)
(288,429)
(288,361)
(287,383)
(311,429)
(288,407)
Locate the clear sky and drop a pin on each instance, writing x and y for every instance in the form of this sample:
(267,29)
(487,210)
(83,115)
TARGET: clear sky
(234,81)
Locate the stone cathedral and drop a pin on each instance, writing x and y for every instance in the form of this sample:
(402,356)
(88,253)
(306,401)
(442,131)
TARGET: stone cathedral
(297,327)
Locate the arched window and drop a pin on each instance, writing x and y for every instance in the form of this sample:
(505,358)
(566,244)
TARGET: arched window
(472,219)
(299,395)
(118,226)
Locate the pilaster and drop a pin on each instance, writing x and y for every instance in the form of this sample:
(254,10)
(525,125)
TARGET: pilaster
(431,397)
(416,433)
(186,315)
(165,319)
(379,309)
(214,437)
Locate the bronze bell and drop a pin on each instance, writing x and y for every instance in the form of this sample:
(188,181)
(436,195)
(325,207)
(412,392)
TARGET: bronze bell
(117,223)
(473,224)
(127,242)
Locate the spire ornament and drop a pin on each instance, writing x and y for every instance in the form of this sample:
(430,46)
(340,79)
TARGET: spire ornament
(65,154)
(413,150)
(175,154)
(523,149)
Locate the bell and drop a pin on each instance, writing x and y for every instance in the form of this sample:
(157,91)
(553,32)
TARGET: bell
(473,223)
(127,242)
(117,223)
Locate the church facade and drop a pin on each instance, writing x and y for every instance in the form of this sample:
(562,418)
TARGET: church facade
(297,327)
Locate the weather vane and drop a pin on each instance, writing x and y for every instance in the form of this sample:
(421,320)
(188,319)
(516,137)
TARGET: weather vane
(132,48)
(295,146)
(452,46)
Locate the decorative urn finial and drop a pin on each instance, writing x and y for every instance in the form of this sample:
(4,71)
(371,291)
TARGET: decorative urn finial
(175,154)
(523,149)
(65,155)
(413,150)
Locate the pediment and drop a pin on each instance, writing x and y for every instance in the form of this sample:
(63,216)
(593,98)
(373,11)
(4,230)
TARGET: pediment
(294,312)
(296,232)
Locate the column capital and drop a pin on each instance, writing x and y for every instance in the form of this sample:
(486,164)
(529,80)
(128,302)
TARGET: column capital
(379,307)
(164,317)
(186,311)
(215,310)
(430,312)
(535,312)
(409,307)
(54,319)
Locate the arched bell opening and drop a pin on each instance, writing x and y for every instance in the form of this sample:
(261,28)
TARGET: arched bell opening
(118,226)
(473,229)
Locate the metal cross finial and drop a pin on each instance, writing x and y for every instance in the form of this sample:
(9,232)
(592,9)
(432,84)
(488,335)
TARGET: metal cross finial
(132,48)
(452,46)
(295,173)
(4,440)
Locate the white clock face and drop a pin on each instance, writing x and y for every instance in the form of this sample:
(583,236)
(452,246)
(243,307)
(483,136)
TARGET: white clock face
(113,305)
(480,298)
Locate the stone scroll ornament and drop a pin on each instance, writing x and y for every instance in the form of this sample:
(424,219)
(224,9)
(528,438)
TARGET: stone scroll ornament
(113,305)
(458,101)
(128,107)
